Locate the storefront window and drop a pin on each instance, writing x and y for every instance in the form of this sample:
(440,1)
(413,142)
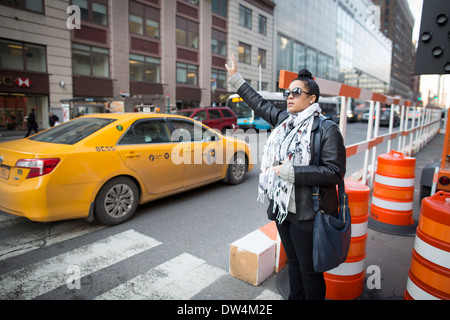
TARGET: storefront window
(22,56)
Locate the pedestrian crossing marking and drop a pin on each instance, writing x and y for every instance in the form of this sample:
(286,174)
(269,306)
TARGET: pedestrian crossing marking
(38,239)
(269,295)
(180,278)
(34,280)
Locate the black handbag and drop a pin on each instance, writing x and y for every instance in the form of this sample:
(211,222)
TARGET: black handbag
(331,236)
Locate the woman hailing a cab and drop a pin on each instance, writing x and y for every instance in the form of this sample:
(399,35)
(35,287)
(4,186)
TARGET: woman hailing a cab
(287,176)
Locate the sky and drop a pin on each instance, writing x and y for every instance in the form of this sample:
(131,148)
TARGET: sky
(416,10)
(428,83)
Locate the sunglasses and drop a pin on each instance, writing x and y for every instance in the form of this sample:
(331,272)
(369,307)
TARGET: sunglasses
(296,93)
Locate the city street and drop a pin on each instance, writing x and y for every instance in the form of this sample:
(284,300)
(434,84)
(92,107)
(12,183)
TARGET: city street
(173,248)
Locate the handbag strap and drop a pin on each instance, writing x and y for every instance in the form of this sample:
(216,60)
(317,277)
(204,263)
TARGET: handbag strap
(316,161)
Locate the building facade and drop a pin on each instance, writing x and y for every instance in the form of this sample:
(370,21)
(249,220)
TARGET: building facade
(334,39)
(35,60)
(72,57)
(397,23)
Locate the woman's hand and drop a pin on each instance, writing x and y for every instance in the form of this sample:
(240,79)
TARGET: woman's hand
(232,68)
(278,168)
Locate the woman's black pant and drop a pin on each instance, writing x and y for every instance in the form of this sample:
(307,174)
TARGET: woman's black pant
(305,283)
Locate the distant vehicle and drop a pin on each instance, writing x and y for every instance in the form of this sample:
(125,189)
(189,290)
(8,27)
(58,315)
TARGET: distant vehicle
(385,116)
(246,116)
(219,118)
(331,107)
(102,166)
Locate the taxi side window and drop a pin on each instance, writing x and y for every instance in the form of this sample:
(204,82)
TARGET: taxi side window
(145,132)
(186,131)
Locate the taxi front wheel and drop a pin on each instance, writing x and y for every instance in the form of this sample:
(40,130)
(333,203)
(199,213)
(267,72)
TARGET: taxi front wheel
(117,201)
(237,169)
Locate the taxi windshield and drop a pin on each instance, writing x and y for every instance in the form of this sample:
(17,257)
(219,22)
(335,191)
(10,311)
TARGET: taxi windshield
(73,131)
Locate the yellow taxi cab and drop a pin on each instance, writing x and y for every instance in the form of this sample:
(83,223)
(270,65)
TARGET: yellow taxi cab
(103,166)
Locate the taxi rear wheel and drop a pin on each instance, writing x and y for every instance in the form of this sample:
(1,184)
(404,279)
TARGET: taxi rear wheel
(237,169)
(117,201)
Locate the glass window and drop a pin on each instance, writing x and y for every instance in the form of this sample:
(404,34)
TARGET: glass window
(73,131)
(284,54)
(90,61)
(93,11)
(22,56)
(227,113)
(262,25)
(262,58)
(32,5)
(200,116)
(220,7)
(221,78)
(100,62)
(35,58)
(11,55)
(192,2)
(186,131)
(219,42)
(99,14)
(299,56)
(311,60)
(84,8)
(149,131)
(144,68)
(214,114)
(136,24)
(187,33)
(245,53)
(187,73)
(245,17)
(144,20)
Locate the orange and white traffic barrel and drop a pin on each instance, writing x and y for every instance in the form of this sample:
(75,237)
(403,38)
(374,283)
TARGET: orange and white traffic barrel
(429,274)
(346,282)
(393,189)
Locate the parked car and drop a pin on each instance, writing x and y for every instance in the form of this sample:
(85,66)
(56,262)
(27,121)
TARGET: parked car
(219,118)
(385,116)
(102,166)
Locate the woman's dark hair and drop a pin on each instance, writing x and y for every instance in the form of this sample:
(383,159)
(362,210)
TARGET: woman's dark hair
(310,85)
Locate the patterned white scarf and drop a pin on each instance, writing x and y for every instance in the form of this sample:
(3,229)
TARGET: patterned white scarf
(289,142)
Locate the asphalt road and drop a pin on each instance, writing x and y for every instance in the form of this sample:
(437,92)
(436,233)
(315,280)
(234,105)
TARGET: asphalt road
(61,260)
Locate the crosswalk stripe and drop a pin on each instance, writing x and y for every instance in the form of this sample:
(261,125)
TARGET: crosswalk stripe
(38,239)
(34,280)
(269,295)
(180,278)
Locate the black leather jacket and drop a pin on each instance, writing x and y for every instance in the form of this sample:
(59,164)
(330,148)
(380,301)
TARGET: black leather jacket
(332,161)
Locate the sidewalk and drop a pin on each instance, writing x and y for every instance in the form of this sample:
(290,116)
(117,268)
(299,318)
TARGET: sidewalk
(391,253)
(12,135)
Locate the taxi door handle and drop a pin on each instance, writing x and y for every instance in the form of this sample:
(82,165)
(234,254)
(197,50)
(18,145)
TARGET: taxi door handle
(132,155)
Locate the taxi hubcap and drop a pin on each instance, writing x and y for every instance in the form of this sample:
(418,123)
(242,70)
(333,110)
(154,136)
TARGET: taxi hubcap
(119,201)
(239,168)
